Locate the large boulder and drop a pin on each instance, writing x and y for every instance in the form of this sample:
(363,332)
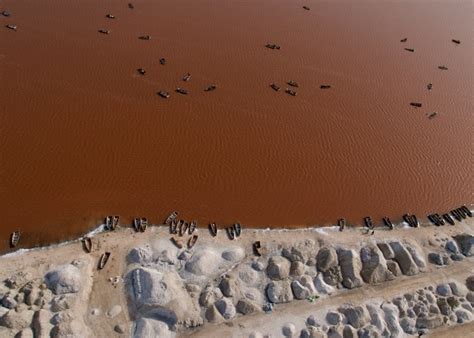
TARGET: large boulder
(147,327)
(228,286)
(452,246)
(209,295)
(417,257)
(391,316)
(350,266)
(226,308)
(204,262)
(279,291)
(429,322)
(300,291)
(386,250)
(307,281)
(321,286)
(40,324)
(374,267)
(326,259)
(65,279)
(278,268)
(394,268)
(404,259)
(463,316)
(466,244)
(356,316)
(245,306)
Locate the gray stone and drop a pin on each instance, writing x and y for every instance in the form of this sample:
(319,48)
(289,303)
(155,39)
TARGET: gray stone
(335,331)
(321,286)
(233,254)
(443,306)
(147,327)
(334,318)
(393,267)
(65,279)
(314,332)
(333,276)
(357,316)
(300,291)
(419,261)
(213,315)
(374,268)
(226,308)
(470,296)
(368,331)
(185,255)
(436,258)
(15,320)
(245,307)
(443,290)
(279,291)
(458,289)
(140,255)
(40,323)
(463,316)
(466,244)
(349,332)
(326,259)
(467,307)
(311,262)
(255,334)
(453,302)
(311,321)
(297,268)
(295,254)
(228,286)
(288,330)
(429,322)
(9,302)
(119,328)
(258,266)
(434,310)
(114,311)
(248,275)
(350,266)
(387,250)
(307,281)
(375,318)
(62,302)
(408,325)
(456,257)
(25,333)
(63,316)
(209,295)
(203,263)
(391,319)
(278,268)
(452,246)
(404,259)
(470,283)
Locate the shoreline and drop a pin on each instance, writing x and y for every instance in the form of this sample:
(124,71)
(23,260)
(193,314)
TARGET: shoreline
(210,285)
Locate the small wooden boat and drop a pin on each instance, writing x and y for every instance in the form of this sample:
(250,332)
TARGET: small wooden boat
(325,86)
(136,224)
(432,115)
(466,210)
(443,67)
(409,50)
(183,228)
(415,104)
(143,224)
(174,227)
(6,13)
(404,40)
(388,223)
(439,218)
(275,87)
(171,217)
(272,46)
(306,8)
(448,218)
(115,222)
(192,227)
(104,31)
(293,84)
(210,88)
(291,92)
(368,223)
(237,229)
(103,260)
(108,222)
(414,221)
(230,233)
(178,242)
(182,91)
(141,71)
(341,223)
(87,244)
(192,241)
(256,248)
(461,213)
(433,219)
(12,27)
(163,61)
(110,16)
(429,86)
(456,215)
(456,41)
(164,94)
(411,220)
(15,238)
(131,6)
(186,77)
(213,229)
(145,37)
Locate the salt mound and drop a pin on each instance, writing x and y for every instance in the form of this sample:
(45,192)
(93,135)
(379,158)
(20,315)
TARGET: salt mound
(65,279)
(204,262)
(140,255)
(233,254)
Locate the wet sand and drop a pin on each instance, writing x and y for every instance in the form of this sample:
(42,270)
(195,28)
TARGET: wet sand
(84,135)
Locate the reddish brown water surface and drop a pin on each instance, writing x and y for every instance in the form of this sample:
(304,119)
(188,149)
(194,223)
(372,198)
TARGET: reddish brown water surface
(84,135)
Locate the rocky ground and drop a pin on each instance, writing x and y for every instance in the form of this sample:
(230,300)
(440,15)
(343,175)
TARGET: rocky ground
(307,283)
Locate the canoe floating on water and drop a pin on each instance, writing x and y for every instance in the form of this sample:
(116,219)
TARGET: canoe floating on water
(15,238)
(6,13)
(443,67)
(145,37)
(186,77)
(182,91)
(404,40)
(103,260)
(293,83)
(275,87)
(12,27)
(272,46)
(210,88)
(415,104)
(325,86)
(213,229)
(131,6)
(108,222)
(291,92)
(87,244)
(104,31)
(409,50)
(456,41)
(306,8)
(110,16)
(164,94)
(341,223)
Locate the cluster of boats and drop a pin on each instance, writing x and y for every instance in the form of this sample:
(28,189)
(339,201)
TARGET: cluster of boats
(180,228)
(112,222)
(234,231)
(459,214)
(272,46)
(140,224)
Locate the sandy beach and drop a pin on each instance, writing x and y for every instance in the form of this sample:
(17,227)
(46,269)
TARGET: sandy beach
(316,282)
